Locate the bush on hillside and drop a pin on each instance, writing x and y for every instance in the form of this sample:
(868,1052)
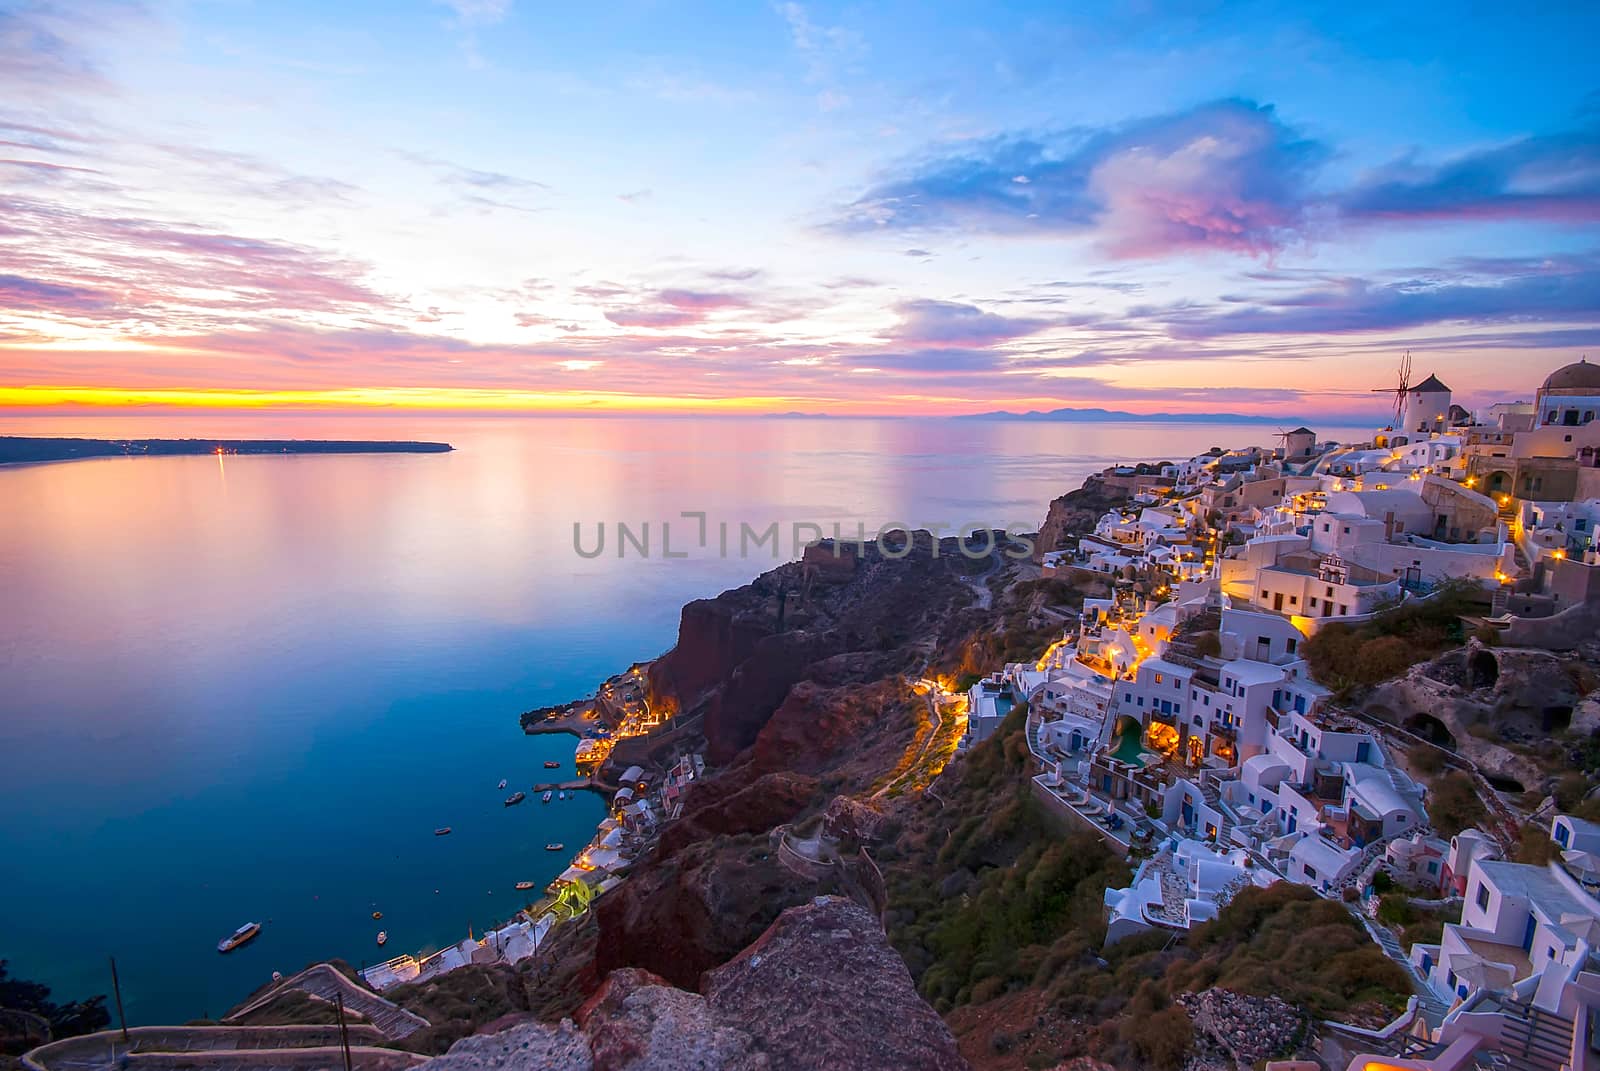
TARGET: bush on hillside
(1453,804)
(1343,655)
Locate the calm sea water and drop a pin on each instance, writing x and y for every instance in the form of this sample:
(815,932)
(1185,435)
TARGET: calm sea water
(249,689)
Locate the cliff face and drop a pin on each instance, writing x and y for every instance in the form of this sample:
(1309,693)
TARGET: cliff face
(821,988)
(733,664)
(784,713)
(714,636)
(1479,700)
(753,803)
(679,916)
(737,711)
(1073,513)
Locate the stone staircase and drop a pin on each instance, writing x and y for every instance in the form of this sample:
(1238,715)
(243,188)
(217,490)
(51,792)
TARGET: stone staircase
(1213,798)
(1433,1009)
(323,981)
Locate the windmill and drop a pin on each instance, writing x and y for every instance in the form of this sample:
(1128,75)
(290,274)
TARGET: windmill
(1399,392)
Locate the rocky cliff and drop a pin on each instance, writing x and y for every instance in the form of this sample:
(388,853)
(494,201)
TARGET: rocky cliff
(1073,514)
(1501,708)
(820,988)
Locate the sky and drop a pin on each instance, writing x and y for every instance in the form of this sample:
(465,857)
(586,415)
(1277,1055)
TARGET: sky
(862,208)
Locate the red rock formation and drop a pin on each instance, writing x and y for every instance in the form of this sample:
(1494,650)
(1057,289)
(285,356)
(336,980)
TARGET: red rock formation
(713,638)
(639,1021)
(816,724)
(741,803)
(684,914)
(736,713)
(823,988)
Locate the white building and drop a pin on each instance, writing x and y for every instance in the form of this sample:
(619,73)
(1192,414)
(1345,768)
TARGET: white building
(1518,919)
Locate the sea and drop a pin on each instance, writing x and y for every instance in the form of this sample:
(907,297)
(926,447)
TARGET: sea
(239,689)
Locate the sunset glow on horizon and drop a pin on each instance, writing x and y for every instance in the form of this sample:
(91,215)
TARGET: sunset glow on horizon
(887,209)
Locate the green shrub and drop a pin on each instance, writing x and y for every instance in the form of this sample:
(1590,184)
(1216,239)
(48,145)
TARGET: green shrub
(1160,1039)
(1453,804)
(1426,760)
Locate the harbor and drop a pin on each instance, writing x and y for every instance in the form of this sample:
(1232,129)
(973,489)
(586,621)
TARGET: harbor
(637,803)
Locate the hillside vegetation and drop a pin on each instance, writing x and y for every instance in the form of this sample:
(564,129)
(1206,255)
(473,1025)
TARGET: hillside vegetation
(999,915)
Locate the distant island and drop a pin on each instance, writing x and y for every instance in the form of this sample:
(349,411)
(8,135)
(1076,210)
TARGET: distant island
(1117,416)
(21,449)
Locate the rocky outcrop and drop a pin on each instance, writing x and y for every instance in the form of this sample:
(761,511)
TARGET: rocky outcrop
(684,914)
(520,1048)
(1242,1030)
(1471,698)
(714,637)
(820,989)
(823,988)
(1072,513)
(637,1022)
(737,712)
(816,724)
(728,805)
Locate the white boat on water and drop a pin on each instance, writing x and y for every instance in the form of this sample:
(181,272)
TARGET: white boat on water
(239,937)
(383,937)
(545,798)
(502,782)
(561,795)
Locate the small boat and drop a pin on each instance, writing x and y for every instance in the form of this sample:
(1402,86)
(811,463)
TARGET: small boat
(502,783)
(239,937)
(442,831)
(545,798)
(552,765)
(561,795)
(524,886)
(383,937)
(554,847)
(515,798)
(377,914)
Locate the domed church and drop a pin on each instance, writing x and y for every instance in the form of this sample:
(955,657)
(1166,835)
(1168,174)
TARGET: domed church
(1570,396)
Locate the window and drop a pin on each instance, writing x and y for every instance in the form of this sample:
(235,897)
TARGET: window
(1312,874)
(1293,599)
(1290,645)
(1158,678)
(1482,896)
